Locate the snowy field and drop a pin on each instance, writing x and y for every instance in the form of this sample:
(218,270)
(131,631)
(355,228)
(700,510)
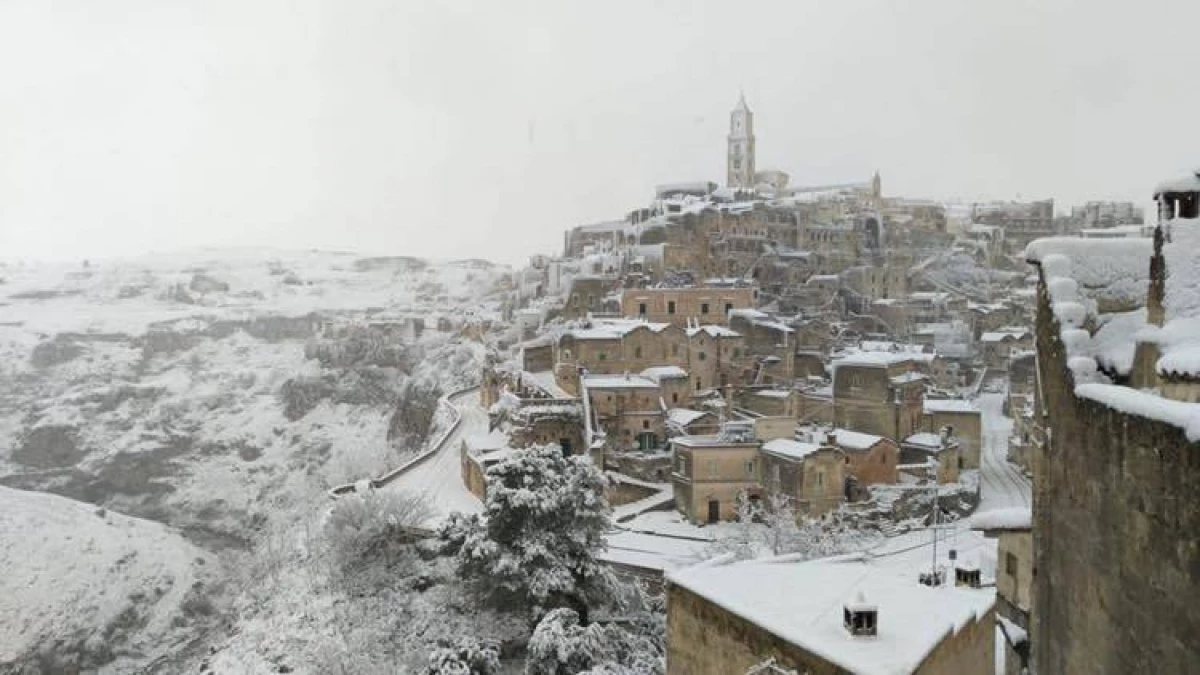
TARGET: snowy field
(155,387)
(77,578)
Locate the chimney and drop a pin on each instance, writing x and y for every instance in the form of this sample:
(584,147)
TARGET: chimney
(860,617)
(966,572)
(947,433)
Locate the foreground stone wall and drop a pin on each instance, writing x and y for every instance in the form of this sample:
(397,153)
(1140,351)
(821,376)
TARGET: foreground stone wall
(1116,534)
(704,639)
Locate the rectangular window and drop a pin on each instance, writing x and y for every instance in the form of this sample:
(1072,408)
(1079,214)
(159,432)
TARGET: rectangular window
(642,309)
(1010,565)
(674,350)
(728,307)
(670,307)
(750,468)
(820,479)
(602,356)
(704,308)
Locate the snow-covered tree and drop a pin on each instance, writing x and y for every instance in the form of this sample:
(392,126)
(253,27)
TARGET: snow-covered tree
(465,658)
(545,520)
(776,529)
(560,645)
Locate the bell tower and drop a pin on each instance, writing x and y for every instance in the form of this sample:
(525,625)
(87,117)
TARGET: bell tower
(740,154)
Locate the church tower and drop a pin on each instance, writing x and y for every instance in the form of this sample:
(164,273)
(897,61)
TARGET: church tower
(740,156)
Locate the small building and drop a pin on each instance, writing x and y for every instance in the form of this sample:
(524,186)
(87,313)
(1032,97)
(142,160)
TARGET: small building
(846,614)
(967,421)
(1012,528)
(926,449)
(711,473)
(811,475)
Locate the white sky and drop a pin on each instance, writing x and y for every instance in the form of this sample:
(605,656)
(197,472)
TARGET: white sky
(455,129)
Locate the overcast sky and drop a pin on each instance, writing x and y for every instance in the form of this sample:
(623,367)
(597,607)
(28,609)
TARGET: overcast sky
(456,129)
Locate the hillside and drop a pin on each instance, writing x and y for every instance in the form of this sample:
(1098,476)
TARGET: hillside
(85,587)
(216,392)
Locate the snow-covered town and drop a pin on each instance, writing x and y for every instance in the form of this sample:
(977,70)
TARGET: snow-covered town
(766,417)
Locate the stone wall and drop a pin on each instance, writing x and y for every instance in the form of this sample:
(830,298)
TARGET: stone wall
(703,639)
(1116,534)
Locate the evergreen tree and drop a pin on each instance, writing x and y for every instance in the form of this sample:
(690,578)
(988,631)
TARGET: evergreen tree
(535,548)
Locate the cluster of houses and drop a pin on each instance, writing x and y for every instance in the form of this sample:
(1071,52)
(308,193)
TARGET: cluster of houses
(756,341)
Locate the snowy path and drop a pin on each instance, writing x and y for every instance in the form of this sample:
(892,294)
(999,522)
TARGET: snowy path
(439,478)
(1003,485)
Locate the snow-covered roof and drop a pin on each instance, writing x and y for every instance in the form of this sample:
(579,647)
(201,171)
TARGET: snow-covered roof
(748,313)
(713,331)
(626,381)
(1012,518)
(905,378)
(950,405)
(606,226)
(682,417)
(772,393)
(855,440)
(801,603)
(708,440)
(613,329)
(545,381)
(1002,335)
(871,359)
(659,373)
(925,439)
(785,447)
(1188,183)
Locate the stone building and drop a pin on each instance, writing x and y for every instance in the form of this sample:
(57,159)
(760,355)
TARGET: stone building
(925,450)
(1022,221)
(870,459)
(591,295)
(964,418)
(847,614)
(878,393)
(627,407)
(812,476)
(711,473)
(682,306)
(997,346)
(1116,528)
(1011,528)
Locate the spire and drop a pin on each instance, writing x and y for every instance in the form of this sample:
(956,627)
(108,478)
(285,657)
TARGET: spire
(741,104)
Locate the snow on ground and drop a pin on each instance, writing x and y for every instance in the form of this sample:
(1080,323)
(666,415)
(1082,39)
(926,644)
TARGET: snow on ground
(1003,486)
(439,478)
(145,384)
(78,580)
(803,601)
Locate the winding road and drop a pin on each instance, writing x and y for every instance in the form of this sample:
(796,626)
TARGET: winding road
(439,476)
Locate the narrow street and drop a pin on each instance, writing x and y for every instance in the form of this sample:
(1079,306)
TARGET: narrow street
(1003,485)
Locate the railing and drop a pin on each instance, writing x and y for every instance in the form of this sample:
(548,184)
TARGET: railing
(433,449)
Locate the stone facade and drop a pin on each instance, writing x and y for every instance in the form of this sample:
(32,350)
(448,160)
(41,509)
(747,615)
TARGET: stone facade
(589,295)
(705,639)
(710,474)
(875,465)
(885,400)
(1116,533)
(678,306)
(815,485)
(968,430)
